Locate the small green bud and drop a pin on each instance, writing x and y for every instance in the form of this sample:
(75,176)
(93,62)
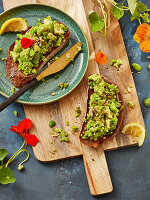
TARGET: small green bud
(20,167)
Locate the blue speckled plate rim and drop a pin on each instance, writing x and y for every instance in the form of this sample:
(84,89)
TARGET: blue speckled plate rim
(47,102)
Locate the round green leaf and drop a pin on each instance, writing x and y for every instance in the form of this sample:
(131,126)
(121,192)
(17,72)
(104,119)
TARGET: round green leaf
(6,176)
(3,154)
(117,12)
(97,24)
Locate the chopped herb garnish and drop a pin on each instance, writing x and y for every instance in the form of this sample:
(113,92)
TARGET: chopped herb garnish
(131,104)
(15,113)
(12,90)
(116,63)
(55,58)
(56,76)
(66,85)
(74,128)
(67,123)
(62,134)
(67,56)
(63,85)
(3,59)
(78,48)
(78,111)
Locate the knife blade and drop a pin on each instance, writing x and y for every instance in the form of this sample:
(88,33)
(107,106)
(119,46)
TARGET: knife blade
(57,66)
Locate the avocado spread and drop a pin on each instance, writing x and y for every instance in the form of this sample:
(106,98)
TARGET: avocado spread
(45,36)
(103,109)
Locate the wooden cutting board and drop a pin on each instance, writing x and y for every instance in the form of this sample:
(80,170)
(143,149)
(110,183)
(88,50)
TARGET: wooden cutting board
(63,110)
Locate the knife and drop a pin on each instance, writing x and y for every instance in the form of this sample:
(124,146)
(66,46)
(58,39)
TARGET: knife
(57,66)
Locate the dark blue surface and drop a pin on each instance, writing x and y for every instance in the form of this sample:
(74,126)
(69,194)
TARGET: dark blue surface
(66,180)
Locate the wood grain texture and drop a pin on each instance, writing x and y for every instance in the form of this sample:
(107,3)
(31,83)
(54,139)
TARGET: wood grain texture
(63,110)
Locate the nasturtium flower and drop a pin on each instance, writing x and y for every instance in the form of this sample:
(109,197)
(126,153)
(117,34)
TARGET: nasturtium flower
(101,58)
(142,36)
(23,130)
(26,42)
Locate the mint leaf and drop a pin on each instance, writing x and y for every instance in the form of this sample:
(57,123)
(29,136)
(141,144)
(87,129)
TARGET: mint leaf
(140,7)
(3,154)
(118,13)
(132,5)
(6,176)
(145,17)
(97,24)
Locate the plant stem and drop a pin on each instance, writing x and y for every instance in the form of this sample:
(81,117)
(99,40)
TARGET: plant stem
(14,156)
(104,14)
(24,150)
(114,4)
(108,13)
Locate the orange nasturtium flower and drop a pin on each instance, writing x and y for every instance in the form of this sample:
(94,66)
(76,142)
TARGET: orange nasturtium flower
(101,58)
(142,36)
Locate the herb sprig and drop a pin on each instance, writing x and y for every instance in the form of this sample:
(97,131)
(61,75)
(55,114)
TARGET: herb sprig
(6,174)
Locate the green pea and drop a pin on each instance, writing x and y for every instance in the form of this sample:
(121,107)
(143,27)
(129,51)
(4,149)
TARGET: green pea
(149,66)
(147,102)
(136,67)
(52,124)
(1,49)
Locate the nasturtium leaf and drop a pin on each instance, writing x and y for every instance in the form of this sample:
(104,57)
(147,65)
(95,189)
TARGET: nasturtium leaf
(132,5)
(97,24)
(140,7)
(3,154)
(118,13)
(6,176)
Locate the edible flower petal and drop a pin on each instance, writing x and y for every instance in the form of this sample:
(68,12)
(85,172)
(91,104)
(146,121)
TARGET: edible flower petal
(26,42)
(145,46)
(101,58)
(32,140)
(142,36)
(23,130)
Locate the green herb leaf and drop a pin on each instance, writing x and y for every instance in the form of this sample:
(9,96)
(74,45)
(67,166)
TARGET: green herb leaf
(145,17)
(140,7)
(3,154)
(6,176)
(118,13)
(97,23)
(132,5)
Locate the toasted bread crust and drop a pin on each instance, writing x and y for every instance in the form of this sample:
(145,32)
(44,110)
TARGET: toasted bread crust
(93,143)
(16,76)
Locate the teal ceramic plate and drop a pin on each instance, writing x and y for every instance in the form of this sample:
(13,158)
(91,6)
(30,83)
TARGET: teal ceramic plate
(72,74)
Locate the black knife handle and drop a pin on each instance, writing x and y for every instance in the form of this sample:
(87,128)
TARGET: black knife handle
(17,94)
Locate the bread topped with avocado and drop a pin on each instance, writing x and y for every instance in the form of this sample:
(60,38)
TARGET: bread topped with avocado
(33,49)
(105,111)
